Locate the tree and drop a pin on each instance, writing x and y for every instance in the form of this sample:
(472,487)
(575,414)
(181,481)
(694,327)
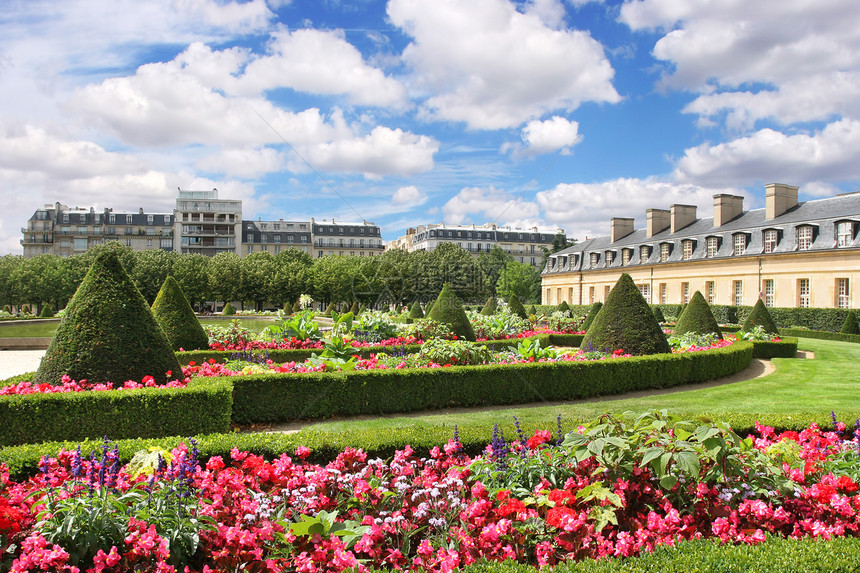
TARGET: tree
(192,274)
(453,265)
(151,269)
(697,318)
(108,333)
(225,275)
(293,268)
(174,315)
(333,278)
(9,292)
(36,279)
(491,265)
(626,323)
(258,278)
(520,279)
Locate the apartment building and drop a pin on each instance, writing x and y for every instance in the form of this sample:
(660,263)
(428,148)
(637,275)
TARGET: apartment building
(275,236)
(362,239)
(206,224)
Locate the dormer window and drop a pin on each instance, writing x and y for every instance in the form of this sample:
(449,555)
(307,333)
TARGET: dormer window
(665,251)
(608,258)
(844,233)
(687,247)
(771,239)
(644,253)
(804,237)
(625,256)
(593,259)
(713,246)
(739,243)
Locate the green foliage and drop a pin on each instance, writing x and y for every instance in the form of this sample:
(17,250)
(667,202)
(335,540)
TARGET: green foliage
(449,310)
(767,349)
(108,333)
(300,325)
(174,315)
(562,307)
(520,279)
(415,311)
(48,311)
(593,311)
(329,309)
(354,308)
(460,352)
(760,317)
(531,349)
(697,318)
(799,332)
(516,307)
(228,310)
(532,310)
(489,307)
(626,322)
(850,326)
(658,314)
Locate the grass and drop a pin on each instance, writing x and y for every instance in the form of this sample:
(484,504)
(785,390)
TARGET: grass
(39,329)
(798,386)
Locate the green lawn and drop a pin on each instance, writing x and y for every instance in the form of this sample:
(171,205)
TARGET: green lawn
(829,382)
(37,329)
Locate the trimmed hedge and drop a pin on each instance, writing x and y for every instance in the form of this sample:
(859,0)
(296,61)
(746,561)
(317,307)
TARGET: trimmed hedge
(785,348)
(819,334)
(285,397)
(204,406)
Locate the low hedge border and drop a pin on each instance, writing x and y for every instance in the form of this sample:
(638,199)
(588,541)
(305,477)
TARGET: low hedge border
(785,348)
(204,406)
(263,398)
(23,460)
(819,334)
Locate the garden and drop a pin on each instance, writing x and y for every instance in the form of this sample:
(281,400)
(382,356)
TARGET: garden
(474,490)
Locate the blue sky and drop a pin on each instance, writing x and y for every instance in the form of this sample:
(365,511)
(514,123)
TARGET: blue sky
(558,113)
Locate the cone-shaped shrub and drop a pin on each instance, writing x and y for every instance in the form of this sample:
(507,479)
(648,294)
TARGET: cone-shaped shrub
(532,310)
(489,307)
(108,333)
(626,322)
(415,311)
(697,318)
(449,310)
(354,308)
(850,325)
(563,307)
(428,310)
(228,310)
(297,307)
(658,314)
(591,314)
(516,307)
(174,315)
(329,309)
(47,311)
(759,316)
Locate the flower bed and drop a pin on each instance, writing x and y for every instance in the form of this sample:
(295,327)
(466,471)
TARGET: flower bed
(528,501)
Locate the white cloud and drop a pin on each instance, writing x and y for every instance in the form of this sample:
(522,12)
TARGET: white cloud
(832,154)
(490,66)
(243,162)
(409,195)
(383,151)
(480,205)
(549,136)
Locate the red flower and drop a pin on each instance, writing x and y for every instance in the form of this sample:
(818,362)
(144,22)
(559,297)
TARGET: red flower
(846,484)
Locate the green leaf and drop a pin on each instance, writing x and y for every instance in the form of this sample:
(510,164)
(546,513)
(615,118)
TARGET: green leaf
(667,482)
(688,462)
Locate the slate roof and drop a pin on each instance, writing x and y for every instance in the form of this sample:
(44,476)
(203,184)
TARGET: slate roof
(821,214)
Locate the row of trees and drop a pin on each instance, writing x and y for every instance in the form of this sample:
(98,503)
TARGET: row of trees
(262,279)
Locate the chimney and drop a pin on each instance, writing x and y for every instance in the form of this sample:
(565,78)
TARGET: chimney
(620,227)
(779,199)
(656,220)
(682,216)
(726,208)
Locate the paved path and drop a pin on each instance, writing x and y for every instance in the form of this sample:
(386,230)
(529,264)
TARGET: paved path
(14,362)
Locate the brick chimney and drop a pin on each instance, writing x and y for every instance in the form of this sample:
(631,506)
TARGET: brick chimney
(682,216)
(656,220)
(779,198)
(620,227)
(726,208)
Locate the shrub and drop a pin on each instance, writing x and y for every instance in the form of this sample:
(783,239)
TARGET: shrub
(697,318)
(760,317)
(329,309)
(48,311)
(626,322)
(489,307)
(593,310)
(354,308)
(850,325)
(658,314)
(449,310)
(108,333)
(174,315)
(228,310)
(415,311)
(562,307)
(532,310)
(516,307)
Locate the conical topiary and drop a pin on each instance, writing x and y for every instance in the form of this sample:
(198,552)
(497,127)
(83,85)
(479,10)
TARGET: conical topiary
(591,314)
(228,310)
(759,316)
(625,322)
(329,309)
(516,307)
(449,310)
(697,318)
(415,311)
(354,308)
(489,307)
(297,307)
(47,311)
(174,315)
(563,307)
(108,333)
(428,310)
(532,310)
(850,325)
(658,314)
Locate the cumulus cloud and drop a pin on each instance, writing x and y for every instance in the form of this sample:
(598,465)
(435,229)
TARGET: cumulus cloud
(409,195)
(547,136)
(383,151)
(488,65)
(243,162)
(480,205)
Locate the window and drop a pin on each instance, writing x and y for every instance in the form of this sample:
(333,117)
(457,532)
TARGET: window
(646,292)
(625,256)
(82,231)
(767,290)
(842,293)
(149,243)
(80,244)
(150,219)
(804,238)
(570,294)
(606,291)
(609,257)
(277,238)
(710,291)
(664,293)
(250,249)
(593,259)
(803,293)
(770,240)
(644,253)
(665,251)
(590,295)
(739,244)
(844,234)
(264,238)
(685,293)
(548,300)
(687,249)
(558,295)
(738,293)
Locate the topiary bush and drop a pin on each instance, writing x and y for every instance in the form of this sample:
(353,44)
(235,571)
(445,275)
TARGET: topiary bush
(626,322)
(562,307)
(489,307)
(516,307)
(697,318)
(592,313)
(354,308)
(108,333)
(329,309)
(760,317)
(449,310)
(174,315)
(850,325)
(47,311)
(415,311)
(228,310)
(658,314)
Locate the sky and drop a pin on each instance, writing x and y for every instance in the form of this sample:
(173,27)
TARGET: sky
(555,113)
